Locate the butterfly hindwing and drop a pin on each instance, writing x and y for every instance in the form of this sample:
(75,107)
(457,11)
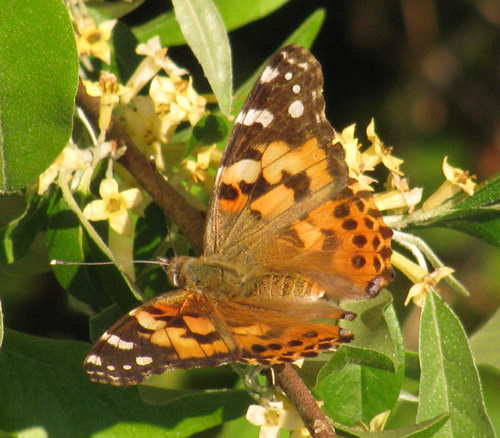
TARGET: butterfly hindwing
(178,329)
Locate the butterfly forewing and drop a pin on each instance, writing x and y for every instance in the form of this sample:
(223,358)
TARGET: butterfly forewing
(279,153)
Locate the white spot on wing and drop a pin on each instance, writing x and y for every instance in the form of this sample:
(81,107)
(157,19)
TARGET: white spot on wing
(296,88)
(303,65)
(110,367)
(269,74)
(143,360)
(115,341)
(94,359)
(288,75)
(264,117)
(126,367)
(296,109)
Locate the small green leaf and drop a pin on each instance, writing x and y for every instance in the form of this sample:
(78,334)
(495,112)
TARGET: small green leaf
(477,215)
(483,340)
(18,235)
(449,379)
(98,285)
(234,13)
(114,8)
(43,386)
(426,429)
(65,242)
(204,30)
(364,379)
(210,129)
(38,80)
(102,321)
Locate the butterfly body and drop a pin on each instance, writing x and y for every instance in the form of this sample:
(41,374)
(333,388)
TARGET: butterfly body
(288,233)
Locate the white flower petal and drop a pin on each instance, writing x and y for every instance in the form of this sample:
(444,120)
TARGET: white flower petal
(121,222)
(131,198)
(108,188)
(96,211)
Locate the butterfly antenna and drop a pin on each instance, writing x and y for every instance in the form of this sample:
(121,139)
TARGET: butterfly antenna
(56,262)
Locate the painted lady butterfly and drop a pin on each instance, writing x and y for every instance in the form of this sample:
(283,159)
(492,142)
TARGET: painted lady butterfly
(287,233)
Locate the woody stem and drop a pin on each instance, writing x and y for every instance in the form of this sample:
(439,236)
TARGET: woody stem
(298,393)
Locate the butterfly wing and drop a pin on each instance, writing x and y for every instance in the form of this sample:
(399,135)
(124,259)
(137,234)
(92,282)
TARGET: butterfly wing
(283,329)
(178,329)
(283,200)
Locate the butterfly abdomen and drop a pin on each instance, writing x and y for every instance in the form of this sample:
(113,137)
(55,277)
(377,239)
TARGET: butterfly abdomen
(284,285)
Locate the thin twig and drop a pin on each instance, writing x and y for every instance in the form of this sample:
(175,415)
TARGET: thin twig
(191,222)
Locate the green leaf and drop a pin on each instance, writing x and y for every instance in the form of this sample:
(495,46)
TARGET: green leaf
(490,382)
(39,76)
(477,215)
(98,285)
(18,235)
(205,34)
(304,36)
(364,379)
(43,386)
(234,13)
(483,340)
(65,241)
(426,429)
(114,8)
(449,379)
(1,324)
(210,129)
(102,321)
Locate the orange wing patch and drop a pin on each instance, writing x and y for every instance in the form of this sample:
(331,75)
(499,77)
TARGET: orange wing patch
(175,330)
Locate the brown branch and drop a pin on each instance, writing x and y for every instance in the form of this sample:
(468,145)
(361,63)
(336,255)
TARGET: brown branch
(191,222)
(298,393)
(189,219)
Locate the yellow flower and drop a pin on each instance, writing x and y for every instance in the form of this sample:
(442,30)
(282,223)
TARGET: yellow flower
(378,152)
(272,417)
(353,157)
(93,40)
(197,170)
(109,90)
(400,196)
(71,158)
(456,180)
(114,206)
(156,59)
(146,130)
(422,279)
(176,101)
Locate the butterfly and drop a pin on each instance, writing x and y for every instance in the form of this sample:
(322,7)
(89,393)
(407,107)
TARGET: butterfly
(288,234)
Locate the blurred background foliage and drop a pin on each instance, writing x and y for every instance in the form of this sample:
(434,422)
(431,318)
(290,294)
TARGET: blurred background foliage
(427,70)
